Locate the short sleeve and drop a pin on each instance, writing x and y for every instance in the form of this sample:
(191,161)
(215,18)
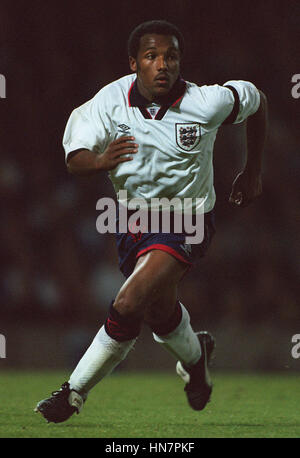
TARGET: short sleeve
(247,100)
(85,129)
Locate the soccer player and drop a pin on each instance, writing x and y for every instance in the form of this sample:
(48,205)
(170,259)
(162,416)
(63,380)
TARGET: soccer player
(154,133)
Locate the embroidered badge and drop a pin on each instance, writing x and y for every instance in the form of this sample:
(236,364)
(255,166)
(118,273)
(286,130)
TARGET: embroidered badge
(188,135)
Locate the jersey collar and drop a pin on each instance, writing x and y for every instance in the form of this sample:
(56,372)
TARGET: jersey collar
(136,99)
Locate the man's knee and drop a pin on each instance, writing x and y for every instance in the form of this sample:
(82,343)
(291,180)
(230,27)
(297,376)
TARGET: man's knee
(151,305)
(129,306)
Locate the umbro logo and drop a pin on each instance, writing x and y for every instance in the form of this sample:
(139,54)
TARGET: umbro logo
(186,248)
(123,128)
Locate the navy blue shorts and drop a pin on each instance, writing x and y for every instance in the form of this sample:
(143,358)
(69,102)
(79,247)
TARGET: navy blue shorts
(132,245)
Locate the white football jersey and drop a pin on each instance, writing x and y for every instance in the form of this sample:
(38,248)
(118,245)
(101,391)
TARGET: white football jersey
(175,139)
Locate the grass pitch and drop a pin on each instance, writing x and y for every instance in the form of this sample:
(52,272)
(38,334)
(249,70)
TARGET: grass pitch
(153,405)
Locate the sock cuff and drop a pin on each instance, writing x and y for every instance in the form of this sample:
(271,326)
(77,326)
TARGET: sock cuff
(172,323)
(177,326)
(120,327)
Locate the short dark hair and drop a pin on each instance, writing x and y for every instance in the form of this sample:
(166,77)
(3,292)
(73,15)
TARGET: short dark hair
(160,27)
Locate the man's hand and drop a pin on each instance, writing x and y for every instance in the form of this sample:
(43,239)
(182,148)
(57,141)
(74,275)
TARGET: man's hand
(86,162)
(245,188)
(115,153)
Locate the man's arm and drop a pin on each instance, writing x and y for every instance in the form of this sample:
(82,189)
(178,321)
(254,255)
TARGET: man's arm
(248,184)
(86,162)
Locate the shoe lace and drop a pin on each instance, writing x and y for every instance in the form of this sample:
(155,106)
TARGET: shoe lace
(62,389)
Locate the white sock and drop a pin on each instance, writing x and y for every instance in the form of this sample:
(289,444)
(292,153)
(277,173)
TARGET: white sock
(183,343)
(102,356)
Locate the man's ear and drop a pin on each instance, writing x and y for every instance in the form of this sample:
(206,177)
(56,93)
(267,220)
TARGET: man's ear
(132,64)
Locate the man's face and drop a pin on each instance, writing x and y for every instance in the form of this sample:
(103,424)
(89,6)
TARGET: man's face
(157,65)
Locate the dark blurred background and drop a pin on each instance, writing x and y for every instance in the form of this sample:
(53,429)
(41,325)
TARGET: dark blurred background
(58,275)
